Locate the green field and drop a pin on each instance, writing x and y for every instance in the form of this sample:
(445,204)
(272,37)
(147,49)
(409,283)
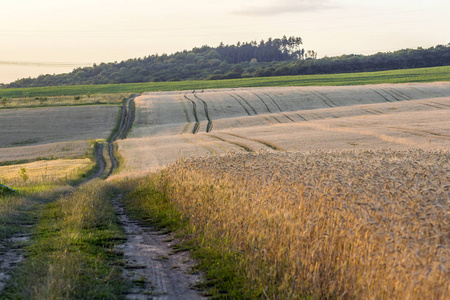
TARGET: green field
(396,76)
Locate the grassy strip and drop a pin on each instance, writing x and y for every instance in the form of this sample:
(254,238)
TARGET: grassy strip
(73,254)
(395,76)
(148,201)
(54,101)
(15,212)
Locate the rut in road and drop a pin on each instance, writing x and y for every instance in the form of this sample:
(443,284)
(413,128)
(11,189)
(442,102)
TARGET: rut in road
(161,272)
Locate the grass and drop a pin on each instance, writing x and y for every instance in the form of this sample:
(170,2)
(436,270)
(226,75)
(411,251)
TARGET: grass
(58,100)
(395,76)
(73,252)
(321,225)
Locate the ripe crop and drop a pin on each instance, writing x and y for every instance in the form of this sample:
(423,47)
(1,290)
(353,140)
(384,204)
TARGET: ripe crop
(351,224)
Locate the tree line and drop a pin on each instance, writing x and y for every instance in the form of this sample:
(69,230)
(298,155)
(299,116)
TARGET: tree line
(273,57)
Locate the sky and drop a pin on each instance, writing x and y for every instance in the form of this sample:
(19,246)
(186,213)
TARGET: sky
(56,36)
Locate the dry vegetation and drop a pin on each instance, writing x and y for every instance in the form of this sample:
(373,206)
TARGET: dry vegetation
(40,172)
(355,224)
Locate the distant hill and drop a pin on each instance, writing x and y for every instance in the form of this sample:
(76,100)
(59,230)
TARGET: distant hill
(274,57)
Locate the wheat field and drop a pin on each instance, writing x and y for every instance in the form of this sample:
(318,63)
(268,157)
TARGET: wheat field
(173,125)
(29,134)
(34,126)
(44,171)
(346,224)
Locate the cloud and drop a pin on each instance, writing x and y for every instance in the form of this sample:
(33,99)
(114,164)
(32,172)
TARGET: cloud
(284,7)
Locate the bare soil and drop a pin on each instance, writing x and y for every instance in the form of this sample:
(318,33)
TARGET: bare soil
(158,272)
(11,253)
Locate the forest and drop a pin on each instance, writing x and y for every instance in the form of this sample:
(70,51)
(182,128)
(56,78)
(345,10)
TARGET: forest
(271,57)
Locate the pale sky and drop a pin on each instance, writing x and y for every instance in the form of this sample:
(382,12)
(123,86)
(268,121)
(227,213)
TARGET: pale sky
(55,36)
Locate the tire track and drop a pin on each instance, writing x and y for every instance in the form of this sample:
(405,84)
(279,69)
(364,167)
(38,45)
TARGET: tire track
(373,111)
(423,133)
(431,105)
(324,98)
(148,254)
(162,272)
(400,94)
(267,144)
(125,125)
(274,102)
(391,94)
(242,146)
(251,107)
(194,110)
(289,118)
(302,117)
(382,96)
(442,104)
(240,103)
(263,102)
(205,106)
(188,119)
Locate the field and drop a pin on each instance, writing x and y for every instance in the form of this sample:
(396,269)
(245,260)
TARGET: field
(86,99)
(346,224)
(53,132)
(322,192)
(396,76)
(44,171)
(292,119)
(339,189)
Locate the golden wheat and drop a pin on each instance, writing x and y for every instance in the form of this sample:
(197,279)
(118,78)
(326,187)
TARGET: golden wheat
(44,171)
(366,225)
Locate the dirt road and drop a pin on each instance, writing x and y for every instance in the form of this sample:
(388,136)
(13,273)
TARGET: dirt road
(155,269)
